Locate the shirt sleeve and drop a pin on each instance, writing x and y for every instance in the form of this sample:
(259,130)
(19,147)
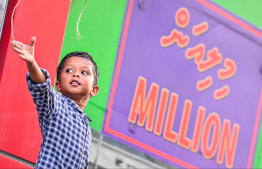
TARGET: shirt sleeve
(44,95)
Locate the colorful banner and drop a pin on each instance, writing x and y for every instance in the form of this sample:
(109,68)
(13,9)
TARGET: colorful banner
(187,84)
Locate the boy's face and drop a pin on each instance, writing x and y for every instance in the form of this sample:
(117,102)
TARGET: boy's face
(76,80)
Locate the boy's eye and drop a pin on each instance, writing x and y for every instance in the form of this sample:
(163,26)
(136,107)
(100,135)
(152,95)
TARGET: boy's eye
(69,70)
(84,72)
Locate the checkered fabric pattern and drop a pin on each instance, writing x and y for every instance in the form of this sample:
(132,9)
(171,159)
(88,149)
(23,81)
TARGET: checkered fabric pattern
(64,126)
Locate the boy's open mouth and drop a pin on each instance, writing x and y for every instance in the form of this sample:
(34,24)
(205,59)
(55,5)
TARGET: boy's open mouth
(75,82)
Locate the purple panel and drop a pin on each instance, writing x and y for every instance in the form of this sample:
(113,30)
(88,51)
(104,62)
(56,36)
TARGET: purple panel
(142,55)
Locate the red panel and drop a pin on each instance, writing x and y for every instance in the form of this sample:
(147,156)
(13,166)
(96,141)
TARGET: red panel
(5,35)
(10,163)
(46,19)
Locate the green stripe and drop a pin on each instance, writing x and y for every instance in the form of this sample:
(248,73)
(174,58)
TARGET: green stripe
(100,28)
(249,10)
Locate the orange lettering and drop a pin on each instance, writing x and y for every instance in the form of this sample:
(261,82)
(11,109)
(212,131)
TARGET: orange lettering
(228,145)
(222,92)
(142,108)
(182,139)
(205,83)
(230,70)
(197,52)
(169,134)
(212,120)
(213,58)
(182,17)
(200,29)
(175,36)
(161,112)
(198,129)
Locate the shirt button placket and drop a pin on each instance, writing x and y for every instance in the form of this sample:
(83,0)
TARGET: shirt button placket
(84,158)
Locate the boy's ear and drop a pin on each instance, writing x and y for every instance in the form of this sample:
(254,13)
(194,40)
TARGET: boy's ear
(94,91)
(58,86)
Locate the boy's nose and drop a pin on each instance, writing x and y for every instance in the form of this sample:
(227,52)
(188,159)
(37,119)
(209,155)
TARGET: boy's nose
(75,75)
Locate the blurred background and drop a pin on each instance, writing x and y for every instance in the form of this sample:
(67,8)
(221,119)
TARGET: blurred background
(180,80)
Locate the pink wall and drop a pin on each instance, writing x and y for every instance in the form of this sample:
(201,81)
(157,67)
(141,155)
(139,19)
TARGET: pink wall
(19,127)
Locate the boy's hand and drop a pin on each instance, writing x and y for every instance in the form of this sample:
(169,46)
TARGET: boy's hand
(26,52)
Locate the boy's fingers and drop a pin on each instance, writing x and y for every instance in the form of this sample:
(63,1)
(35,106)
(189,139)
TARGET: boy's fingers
(32,41)
(13,42)
(17,50)
(22,56)
(19,43)
(16,44)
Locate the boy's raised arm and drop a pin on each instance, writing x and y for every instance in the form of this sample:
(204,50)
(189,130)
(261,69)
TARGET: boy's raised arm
(26,52)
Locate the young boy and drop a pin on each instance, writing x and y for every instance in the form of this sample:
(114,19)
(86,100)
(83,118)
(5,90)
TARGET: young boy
(64,126)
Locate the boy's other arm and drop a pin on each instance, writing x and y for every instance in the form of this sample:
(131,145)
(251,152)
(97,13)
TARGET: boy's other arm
(26,52)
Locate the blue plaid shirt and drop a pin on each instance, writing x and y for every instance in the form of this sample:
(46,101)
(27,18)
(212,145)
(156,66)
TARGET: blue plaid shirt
(64,126)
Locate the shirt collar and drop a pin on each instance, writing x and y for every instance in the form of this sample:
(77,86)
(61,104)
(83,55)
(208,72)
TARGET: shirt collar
(75,106)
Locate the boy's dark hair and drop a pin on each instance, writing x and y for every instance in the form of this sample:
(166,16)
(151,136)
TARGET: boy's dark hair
(83,55)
